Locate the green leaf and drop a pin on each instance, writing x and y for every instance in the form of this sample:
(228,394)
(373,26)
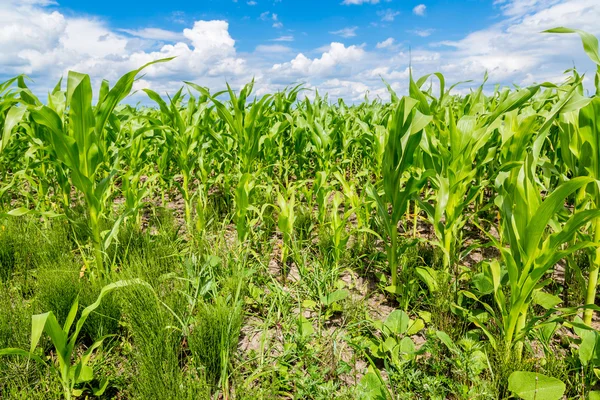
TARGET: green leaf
(590,42)
(406,345)
(38,322)
(397,322)
(429,276)
(103,292)
(594,395)
(102,388)
(589,341)
(336,296)
(545,300)
(13,117)
(415,326)
(305,327)
(86,374)
(443,336)
(19,352)
(534,386)
(372,387)
(118,93)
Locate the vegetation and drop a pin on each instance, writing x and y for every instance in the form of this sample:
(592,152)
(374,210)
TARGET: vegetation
(433,246)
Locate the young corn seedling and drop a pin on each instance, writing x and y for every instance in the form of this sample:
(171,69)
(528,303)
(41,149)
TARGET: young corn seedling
(455,150)
(581,142)
(285,222)
(243,195)
(79,145)
(337,228)
(528,251)
(405,127)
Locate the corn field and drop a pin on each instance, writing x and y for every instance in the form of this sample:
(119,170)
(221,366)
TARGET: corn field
(225,245)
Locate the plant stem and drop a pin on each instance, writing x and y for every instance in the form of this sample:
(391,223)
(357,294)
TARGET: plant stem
(392,253)
(590,297)
(416,219)
(96,239)
(447,249)
(520,325)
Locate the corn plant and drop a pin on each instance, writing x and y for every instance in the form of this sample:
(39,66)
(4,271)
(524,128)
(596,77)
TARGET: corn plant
(285,221)
(337,227)
(405,128)
(581,151)
(456,150)
(243,203)
(79,145)
(528,250)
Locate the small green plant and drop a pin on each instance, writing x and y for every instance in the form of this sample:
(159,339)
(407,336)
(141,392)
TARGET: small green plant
(72,372)
(395,343)
(285,221)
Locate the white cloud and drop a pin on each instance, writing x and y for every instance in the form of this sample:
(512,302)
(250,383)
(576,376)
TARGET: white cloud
(154,33)
(267,16)
(44,43)
(388,15)
(420,10)
(272,48)
(421,32)
(285,38)
(251,3)
(388,74)
(338,54)
(514,48)
(515,8)
(353,90)
(386,44)
(346,32)
(359,2)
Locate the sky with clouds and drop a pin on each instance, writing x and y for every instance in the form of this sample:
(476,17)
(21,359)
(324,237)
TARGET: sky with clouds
(342,47)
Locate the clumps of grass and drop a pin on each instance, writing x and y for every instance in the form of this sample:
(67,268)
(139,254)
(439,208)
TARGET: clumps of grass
(161,369)
(23,379)
(57,289)
(27,245)
(214,338)
(15,318)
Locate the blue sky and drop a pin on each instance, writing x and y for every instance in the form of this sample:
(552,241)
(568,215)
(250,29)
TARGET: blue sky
(310,22)
(343,47)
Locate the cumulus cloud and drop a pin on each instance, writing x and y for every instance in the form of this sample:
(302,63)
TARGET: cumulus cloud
(154,33)
(514,48)
(346,32)
(389,74)
(284,38)
(420,10)
(386,44)
(337,55)
(421,32)
(388,15)
(45,43)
